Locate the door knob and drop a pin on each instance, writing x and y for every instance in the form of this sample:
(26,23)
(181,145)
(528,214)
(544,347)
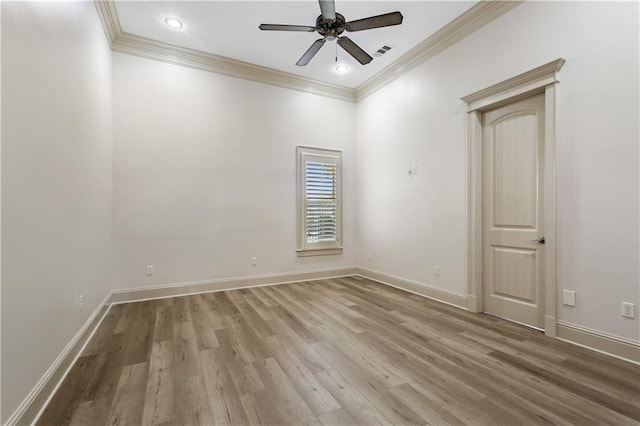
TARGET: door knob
(538,240)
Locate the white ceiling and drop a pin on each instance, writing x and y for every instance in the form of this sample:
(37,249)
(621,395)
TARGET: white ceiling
(230,29)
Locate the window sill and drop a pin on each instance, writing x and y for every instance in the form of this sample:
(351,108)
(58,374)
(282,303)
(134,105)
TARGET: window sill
(319,252)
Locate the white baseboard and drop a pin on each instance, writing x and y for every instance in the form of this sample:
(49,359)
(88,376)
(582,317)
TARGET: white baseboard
(35,402)
(195,287)
(599,341)
(440,295)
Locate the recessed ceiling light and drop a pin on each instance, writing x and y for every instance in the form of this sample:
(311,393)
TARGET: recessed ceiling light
(341,69)
(174,23)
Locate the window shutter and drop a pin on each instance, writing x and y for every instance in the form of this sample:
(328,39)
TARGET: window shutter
(321,202)
(319,189)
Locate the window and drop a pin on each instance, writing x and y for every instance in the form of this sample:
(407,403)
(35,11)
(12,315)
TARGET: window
(319,206)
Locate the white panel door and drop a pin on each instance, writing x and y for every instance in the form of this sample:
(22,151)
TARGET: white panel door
(513,170)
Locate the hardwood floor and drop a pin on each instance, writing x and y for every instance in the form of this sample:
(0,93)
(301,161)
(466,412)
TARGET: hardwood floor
(333,352)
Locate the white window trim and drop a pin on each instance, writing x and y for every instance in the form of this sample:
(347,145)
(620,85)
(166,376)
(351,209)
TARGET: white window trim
(317,249)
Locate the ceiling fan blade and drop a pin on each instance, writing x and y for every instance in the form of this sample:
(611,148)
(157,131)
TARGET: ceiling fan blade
(328,9)
(278,27)
(354,50)
(386,20)
(310,53)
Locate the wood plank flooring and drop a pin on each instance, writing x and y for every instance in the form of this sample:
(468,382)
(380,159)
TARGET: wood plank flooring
(333,352)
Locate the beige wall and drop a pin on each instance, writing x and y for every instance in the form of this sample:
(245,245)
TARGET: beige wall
(412,224)
(56,183)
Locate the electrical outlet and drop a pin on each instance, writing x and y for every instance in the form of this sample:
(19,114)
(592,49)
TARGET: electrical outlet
(80,303)
(149,269)
(628,310)
(254,261)
(436,270)
(370,256)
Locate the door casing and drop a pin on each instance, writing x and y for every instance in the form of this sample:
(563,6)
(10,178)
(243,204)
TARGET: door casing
(543,79)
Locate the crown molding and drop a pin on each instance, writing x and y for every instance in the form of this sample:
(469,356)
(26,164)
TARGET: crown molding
(109,19)
(473,19)
(152,49)
(132,44)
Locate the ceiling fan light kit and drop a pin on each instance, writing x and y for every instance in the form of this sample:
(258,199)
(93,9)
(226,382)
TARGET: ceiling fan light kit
(341,69)
(330,25)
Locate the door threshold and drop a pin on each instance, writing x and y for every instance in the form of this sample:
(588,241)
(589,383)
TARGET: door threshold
(515,322)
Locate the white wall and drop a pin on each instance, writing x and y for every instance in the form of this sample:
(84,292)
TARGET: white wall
(205,173)
(411,224)
(56,183)
(204,169)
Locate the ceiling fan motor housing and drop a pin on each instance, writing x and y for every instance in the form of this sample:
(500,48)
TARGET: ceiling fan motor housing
(330,29)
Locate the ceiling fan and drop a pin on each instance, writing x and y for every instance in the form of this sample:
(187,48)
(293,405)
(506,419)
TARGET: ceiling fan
(331,24)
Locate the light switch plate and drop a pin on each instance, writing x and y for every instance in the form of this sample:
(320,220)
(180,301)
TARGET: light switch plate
(569,297)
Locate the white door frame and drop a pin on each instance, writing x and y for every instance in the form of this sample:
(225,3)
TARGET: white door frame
(542,79)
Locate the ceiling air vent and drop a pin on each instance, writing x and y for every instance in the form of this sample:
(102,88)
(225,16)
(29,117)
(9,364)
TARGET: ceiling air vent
(384,49)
